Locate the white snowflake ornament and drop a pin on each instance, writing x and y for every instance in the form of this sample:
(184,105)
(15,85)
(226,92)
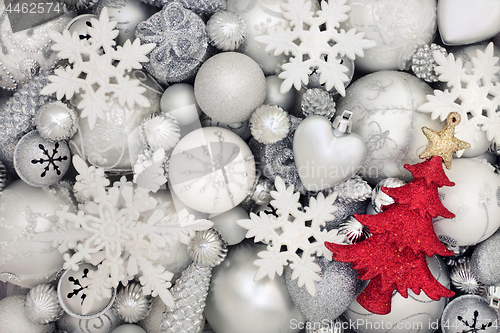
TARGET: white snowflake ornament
(294,237)
(313,48)
(98,68)
(473,94)
(123,231)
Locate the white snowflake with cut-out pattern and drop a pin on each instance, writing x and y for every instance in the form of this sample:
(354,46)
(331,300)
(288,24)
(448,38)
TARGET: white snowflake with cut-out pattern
(474,93)
(313,48)
(98,69)
(123,231)
(295,236)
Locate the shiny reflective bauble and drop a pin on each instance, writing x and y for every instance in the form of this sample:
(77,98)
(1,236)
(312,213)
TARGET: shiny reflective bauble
(80,25)
(229,87)
(397,26)
(40,162)
(474,200)
(417,313)
(115,143)
(179,102)
(242,129)
(24,210)
(13,318)
(225,223)
(236,303)
(275,97)
(211,170)
(128,14)
(128,328)
(384,106)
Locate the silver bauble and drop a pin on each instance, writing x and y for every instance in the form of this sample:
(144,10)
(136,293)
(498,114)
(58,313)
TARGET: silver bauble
(485,260)
(13,318)
(56,121)
(275,97)
(334,293)
(236,303)
(379,198)
(131,305)
(41,305)
(469,313)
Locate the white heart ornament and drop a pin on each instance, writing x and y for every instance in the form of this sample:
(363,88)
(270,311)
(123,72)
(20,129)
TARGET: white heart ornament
(463,22)
(325,156)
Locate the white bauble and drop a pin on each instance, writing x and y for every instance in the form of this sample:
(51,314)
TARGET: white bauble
(25,210)
(105,323)
(397,26)
(417,313)
(225,223)
(179,102)
(13,319)
(384,106)
(115,143)
(236,303)
(211,170)
(128,328)
(474,200)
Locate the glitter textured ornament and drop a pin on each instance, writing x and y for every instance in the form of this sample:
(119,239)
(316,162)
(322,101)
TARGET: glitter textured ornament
(81,4)
(56,121)
(181,43)
(40,162)
(464,280)
(41,305)
(485,260)
(229,87)
(160,130)
(19,111)
(131,305)
(336,290)
(226,30)
(423,64)
(269,124)
(26,53)
(444,143)
(317,102)
(207,7)
(14,319)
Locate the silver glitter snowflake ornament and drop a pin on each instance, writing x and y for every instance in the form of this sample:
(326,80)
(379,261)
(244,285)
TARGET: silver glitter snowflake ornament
(423,64)
(181,43)
(317,102)
(98,68)
(226,30)
(314,43)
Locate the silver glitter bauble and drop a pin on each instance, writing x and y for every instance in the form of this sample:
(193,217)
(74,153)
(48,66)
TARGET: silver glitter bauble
(207,248)
(269,124)
(40,162)
(18,113)
(317,102)
(55,121)
(181,43)
(131,305)
(485,260)
(41,305)
(335,326)
(226,30)
(81,4)
(13,318)
(160,130)
(464,280)
(334,292)
(207,7)
(236,303)
(469,313)
(423,64)
(379,198)
(190,293)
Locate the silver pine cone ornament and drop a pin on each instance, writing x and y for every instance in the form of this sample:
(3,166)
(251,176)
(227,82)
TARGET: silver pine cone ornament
(207,249)
(317,102)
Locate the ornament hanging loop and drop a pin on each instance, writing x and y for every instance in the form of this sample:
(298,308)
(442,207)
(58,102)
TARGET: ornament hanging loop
(342,124)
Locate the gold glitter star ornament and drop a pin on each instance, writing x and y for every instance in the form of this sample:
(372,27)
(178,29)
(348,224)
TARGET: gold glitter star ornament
(444,143)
